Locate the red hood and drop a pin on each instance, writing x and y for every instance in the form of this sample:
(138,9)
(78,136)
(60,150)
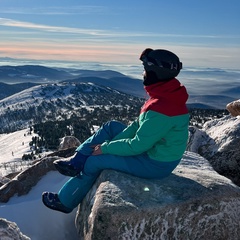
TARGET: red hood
(168,98)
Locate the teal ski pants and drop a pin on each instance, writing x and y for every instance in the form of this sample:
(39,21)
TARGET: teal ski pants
(76,188)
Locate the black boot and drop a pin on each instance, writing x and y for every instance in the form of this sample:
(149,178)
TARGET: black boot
(52,201)
(71,167)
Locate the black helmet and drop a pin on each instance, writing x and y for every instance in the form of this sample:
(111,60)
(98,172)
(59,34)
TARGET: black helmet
(163,63)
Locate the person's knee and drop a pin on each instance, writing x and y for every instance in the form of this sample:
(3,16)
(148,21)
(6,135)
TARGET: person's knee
(114,127)
(113,123)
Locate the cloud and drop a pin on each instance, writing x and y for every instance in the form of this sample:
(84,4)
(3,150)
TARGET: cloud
(107,33)
(66,10)
(39,41)
(69,30)
(20,24)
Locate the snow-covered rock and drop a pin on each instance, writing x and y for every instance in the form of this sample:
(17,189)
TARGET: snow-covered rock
(68,142)
(9,230)
(234,108)
(194,202)
(218,141)
(197,138)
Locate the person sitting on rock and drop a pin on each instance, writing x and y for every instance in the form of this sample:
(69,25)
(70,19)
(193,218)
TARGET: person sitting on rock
(150,147)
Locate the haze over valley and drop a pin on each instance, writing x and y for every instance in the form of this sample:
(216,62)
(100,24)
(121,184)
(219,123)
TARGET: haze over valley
(207,87)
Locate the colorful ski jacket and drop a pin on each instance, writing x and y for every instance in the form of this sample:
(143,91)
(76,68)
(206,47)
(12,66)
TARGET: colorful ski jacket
(161,129)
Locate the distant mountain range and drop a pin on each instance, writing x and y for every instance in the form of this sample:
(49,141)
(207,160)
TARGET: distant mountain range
(34,75)
(31,73)
(14,79)
(209,101)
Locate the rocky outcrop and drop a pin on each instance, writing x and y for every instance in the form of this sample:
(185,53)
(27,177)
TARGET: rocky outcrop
(193,203)
(23,182)
(218,141)
(3,180)
(69,142)
(10,230)
(234,108)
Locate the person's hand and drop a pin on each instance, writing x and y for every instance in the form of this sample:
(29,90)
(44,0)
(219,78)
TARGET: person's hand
(97,150)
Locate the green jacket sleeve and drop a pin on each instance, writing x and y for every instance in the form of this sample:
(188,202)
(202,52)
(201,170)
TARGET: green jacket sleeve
(152,128)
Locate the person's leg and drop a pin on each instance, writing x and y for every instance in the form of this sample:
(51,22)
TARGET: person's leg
(106,132)
(72,193)
(75,165)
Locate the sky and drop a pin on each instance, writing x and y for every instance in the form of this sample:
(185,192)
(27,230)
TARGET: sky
(202,33)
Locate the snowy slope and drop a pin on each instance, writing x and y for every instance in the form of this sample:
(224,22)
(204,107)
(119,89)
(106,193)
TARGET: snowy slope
(14,145)
(34,219)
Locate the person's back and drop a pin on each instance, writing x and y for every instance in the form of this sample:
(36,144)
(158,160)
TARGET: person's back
(167,102)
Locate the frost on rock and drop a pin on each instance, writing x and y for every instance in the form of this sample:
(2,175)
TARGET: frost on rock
(68,142)
(218,141)
(234,108)
(9,231)
(194,202)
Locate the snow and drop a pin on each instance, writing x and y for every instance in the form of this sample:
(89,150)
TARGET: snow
(22,96)
(223,131)
(34,219)
(14,145)
(28,212)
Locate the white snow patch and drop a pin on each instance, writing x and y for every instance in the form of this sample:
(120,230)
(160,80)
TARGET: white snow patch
(14,145)
(34,219)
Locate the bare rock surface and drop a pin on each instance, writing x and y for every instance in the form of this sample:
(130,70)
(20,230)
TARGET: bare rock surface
(194,202)
(69,142)
(3,180)
(234,108)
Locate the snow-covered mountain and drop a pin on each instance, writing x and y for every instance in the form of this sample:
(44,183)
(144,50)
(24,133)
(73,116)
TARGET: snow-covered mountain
(57,102)
(20,76)
(78,96)
(10,89)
